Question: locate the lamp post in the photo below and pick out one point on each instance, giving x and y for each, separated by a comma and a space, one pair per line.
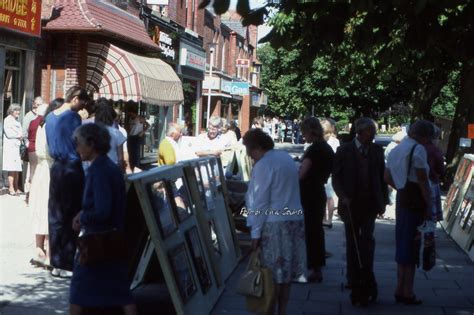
211, 64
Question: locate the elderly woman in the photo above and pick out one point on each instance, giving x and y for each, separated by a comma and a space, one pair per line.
100, 284
12, 136
314, 172
212, 142
275, 215
407, 169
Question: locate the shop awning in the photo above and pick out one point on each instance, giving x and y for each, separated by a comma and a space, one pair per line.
116, 74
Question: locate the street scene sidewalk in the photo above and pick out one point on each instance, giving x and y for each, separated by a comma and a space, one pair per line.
447, 289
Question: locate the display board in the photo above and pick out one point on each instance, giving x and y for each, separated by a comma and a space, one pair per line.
458, 209
216, 217
176, 238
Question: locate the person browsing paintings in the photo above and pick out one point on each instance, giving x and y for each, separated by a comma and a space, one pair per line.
102, 284
399, 174
168, 150
275, 215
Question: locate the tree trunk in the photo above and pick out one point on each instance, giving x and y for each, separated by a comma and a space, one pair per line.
463, 116
424, 100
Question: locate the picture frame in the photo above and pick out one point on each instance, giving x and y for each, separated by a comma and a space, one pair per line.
197, 254
180, 264
162, 207
214, 238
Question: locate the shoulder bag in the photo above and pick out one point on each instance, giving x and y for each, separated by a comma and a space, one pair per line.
410, 196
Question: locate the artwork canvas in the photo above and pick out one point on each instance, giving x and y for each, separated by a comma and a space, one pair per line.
162, 209
182, 272
198, 259
215, 240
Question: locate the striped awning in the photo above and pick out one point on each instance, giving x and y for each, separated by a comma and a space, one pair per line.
116, 74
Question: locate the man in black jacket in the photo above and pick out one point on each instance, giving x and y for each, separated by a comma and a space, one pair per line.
358, 182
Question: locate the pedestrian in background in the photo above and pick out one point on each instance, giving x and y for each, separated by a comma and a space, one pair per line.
137, 126
316, 166
408, 163
358, 179
275, 215
330, 135
27, 120
12, 137
67, 180
102, 284
39, 191
106, 115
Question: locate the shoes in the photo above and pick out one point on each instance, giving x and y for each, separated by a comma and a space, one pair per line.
12, 193
327, 255
61, 273
328, 225
315, 276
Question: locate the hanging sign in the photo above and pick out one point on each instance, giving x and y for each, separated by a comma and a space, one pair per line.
470, 131
22, 16
243, 63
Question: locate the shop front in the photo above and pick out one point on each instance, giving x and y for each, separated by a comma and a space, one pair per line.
192, 66
20, 28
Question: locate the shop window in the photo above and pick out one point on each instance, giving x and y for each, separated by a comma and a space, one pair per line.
11, 84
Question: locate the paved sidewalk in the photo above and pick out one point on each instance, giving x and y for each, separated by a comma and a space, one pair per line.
445, 290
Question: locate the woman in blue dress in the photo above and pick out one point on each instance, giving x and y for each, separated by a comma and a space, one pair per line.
67, 180
101, 284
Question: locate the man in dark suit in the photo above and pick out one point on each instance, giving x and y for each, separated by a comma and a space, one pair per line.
358, 181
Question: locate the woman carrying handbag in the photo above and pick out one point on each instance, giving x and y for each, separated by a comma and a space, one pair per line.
275, 215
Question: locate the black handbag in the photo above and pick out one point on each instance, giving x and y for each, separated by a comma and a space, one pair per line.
101, 247
410, 196
23, 151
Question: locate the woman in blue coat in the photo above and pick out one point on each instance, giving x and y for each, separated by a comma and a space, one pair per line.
102, 284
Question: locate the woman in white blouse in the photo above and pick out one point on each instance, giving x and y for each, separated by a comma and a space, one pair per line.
275, 214
12, 135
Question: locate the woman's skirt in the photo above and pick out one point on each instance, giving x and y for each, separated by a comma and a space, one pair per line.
407, 250
100, 285
65, 201
284, 250
39, 196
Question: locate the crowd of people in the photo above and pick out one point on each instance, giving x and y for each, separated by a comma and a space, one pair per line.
76, 188
361, 175
78, 152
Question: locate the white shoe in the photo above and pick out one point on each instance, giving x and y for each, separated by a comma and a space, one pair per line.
65, 274
55, 272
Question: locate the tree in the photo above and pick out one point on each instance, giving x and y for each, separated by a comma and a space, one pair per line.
415, 45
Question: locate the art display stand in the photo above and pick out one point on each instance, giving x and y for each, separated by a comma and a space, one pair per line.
458, 209
183, 228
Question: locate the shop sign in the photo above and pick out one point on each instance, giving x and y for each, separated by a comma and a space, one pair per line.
211, 83
226, 86
240, 88
21, 15
192, 57
255, 99
243, 63
166, 45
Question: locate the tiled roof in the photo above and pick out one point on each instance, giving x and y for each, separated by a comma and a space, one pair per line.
100, 17
236, 26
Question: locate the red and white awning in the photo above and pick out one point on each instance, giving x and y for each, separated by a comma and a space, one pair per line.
116, 74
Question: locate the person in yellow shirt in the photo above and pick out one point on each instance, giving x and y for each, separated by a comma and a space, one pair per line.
168, 150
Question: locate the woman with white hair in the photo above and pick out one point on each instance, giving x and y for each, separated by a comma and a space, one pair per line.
12, 136
407, 171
